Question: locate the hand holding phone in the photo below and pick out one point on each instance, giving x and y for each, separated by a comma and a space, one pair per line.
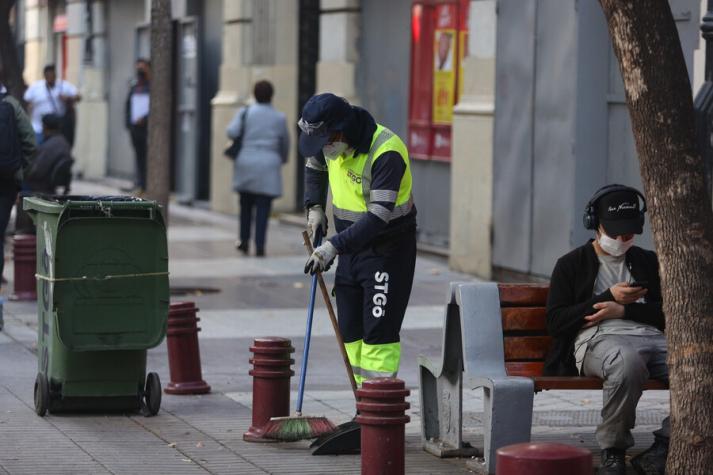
628, 292
639, 283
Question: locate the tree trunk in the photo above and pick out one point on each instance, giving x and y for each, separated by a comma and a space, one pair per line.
10, 74
160, 136
658, 94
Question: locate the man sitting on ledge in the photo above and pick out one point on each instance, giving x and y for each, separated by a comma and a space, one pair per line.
605, 316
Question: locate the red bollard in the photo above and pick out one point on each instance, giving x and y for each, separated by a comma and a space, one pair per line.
24, 248
184, 357
543, 459
271, 383
382, 417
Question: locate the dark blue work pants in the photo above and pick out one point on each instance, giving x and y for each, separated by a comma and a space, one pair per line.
261, 206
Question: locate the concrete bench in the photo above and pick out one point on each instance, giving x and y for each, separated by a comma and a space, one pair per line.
494, 337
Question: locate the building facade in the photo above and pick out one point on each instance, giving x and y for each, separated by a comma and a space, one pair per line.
575, 135
94, 44
513, 110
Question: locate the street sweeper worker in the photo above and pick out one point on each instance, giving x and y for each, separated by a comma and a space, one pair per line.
367, 168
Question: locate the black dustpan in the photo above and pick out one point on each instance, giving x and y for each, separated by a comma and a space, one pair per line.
346, 440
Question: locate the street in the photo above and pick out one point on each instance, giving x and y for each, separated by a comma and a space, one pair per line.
242, 298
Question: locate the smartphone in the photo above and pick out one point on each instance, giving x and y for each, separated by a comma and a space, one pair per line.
639, 283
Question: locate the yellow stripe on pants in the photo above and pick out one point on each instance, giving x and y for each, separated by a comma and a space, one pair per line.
354, 353
380, 361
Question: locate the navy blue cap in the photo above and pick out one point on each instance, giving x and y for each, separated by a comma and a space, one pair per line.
322, 115
620, 214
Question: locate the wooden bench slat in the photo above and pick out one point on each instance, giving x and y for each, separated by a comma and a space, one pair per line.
524, 318
526, 347
523, 295
530, 369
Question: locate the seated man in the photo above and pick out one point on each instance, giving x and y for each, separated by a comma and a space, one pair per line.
53, 154
605, 316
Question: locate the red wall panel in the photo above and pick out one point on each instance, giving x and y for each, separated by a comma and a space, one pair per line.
438, 40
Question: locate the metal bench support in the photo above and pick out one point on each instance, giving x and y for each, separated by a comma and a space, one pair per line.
473, 356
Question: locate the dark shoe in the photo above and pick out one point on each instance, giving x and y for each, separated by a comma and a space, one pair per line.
242, 247
652, 461
613, 462
260, 253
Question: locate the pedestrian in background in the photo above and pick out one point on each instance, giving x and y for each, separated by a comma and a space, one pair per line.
52, 165
137, 119
257, 177
49, 96
17, 149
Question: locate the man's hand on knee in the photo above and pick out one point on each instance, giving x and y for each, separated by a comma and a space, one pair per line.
606, 311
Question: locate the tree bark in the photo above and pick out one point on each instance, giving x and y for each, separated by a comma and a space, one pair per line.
658, 94
160, 133
10, 74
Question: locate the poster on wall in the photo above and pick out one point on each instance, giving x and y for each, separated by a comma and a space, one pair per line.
444, 63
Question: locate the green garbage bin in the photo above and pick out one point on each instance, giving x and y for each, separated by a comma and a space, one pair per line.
103, 299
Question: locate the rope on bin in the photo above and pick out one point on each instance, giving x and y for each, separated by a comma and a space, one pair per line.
106, 277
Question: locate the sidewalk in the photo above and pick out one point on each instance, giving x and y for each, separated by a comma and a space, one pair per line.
255, 297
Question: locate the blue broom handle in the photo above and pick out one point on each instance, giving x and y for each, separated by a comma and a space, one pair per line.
308, 331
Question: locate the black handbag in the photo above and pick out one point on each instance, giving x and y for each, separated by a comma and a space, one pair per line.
233, 149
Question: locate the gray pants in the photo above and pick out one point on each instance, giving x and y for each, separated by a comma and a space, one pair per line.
625, 362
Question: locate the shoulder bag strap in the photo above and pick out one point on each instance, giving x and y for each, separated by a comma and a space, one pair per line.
243, 119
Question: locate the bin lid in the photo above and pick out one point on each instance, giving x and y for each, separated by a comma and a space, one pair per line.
56, 204
110, 281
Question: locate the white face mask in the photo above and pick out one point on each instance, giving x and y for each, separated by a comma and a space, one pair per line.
334, 149
614, 247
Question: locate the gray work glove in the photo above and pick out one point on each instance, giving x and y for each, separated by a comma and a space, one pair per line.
321, 259
316, 218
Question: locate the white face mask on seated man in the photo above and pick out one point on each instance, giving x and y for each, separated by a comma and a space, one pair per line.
619, 217
614, 247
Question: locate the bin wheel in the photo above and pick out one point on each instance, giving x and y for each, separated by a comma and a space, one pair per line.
42, 395
152, 394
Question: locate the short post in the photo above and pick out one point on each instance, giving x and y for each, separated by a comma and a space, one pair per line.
382, 415
272, 370
184, 357
24, 250
543, 459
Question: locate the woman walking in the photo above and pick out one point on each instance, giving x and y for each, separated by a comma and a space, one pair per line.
257, 177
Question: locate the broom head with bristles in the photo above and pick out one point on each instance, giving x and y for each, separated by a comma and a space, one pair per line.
290, 429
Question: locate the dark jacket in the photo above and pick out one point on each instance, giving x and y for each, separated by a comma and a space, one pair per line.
26, 135
387, 172
50, 154
570, 300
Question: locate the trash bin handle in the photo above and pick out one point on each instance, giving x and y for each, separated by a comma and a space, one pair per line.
108, 211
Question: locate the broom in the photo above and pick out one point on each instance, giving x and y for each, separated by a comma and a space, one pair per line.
333, 320
298, 427
346, 437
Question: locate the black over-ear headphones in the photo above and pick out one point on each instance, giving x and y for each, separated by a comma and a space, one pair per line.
590, 218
